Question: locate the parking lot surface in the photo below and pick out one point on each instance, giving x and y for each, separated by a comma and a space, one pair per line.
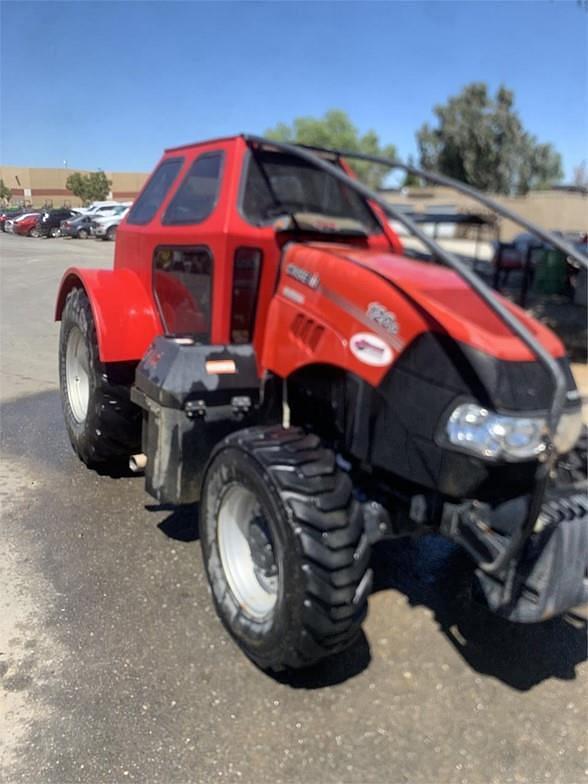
114, 667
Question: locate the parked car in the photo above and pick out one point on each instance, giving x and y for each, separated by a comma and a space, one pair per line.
102, 208
11, 223
51, 221
26, 225
9, 215
79, 227
105, 228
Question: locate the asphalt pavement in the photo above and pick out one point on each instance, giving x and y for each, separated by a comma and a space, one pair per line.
114, 667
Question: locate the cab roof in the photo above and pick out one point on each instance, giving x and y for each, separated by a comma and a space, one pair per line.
322, 151
203, 143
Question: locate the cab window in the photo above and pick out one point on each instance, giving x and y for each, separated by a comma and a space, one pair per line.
280, 184
182, 286
196, 197
155, 192
246, 272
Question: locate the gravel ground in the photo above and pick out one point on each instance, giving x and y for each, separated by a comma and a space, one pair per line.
114, 667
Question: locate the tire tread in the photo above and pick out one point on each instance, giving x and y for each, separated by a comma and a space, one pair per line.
328, 525
116, 420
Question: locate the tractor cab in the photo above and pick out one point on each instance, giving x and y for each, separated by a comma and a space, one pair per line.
207, 232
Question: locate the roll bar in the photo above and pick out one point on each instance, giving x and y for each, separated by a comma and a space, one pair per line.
467, 190
310, 155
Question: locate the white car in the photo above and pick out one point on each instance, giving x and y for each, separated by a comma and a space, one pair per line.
99, 209
104, 227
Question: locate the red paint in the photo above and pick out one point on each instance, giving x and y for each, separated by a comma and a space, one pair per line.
125, 318
288, 333
25, 226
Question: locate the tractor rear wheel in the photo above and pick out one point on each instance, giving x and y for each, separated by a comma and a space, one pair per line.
102, 423
284, 547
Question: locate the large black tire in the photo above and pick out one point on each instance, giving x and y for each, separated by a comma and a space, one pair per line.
321, 551
111, 426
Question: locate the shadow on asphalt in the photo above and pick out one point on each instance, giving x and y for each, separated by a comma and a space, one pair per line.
329, 672
182, 522
430, 572
434, 573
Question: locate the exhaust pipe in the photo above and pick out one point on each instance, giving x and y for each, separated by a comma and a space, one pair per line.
137, 463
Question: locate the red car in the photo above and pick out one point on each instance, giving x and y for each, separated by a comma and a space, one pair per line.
27, 224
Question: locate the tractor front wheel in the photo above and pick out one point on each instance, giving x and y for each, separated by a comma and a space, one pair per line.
284, 547
102, 423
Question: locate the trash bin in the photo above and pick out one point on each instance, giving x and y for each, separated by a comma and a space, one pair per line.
550, 272
581, 290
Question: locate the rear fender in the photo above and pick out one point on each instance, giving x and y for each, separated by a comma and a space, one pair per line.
124, 313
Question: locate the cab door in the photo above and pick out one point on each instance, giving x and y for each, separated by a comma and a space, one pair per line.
180, 247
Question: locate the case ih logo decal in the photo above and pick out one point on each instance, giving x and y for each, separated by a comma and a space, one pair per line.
310, 279
384, 317
371, 349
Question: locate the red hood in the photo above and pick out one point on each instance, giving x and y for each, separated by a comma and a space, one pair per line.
453, 305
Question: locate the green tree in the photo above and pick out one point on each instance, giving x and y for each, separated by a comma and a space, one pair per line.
481, 141
5, 192
94, 186
335, 129
410, 179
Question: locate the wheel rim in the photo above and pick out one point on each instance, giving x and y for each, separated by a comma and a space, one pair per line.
82, 234
55, 232
246, 551
77, 374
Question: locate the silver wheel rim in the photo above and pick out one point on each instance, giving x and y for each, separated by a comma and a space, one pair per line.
246, 552
77, 374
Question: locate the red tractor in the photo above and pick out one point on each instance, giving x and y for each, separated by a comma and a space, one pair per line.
264, 346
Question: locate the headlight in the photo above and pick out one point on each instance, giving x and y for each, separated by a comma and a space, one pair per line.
495, 436
568, 431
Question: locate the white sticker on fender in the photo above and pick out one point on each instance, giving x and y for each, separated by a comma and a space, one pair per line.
371, 349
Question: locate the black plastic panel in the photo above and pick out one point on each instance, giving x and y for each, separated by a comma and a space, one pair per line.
396, 426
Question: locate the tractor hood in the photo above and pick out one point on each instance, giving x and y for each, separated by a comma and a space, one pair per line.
448, 302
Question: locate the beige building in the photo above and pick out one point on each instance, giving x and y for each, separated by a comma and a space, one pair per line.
564, 210
47, 186
552, 209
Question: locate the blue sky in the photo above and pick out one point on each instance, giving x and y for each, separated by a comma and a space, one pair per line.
110, 84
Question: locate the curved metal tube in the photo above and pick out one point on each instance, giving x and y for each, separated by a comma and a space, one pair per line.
467, 190
476, 283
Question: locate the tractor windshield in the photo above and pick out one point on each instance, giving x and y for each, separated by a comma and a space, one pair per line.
278, 184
